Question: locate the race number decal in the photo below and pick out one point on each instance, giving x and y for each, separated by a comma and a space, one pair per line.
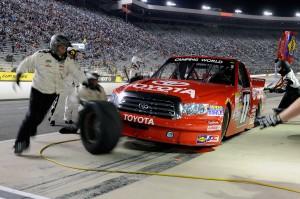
246, 104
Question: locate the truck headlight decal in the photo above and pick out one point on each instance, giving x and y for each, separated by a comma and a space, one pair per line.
194, 109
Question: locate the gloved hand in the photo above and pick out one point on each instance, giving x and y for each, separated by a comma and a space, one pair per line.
280, 90
276, 90
271, 90
18, 77
267, 121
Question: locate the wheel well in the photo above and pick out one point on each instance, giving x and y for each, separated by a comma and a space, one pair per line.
229, 108
228, 105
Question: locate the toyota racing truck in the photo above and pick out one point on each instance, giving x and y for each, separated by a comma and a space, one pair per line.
194, 101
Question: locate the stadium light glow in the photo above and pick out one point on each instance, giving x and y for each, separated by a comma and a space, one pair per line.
145, 1
267, 13
205, 7
170, 3
238, 11
297, 14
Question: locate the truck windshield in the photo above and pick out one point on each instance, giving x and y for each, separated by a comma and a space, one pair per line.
220, 72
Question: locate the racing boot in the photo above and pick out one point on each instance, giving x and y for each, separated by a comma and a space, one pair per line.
69, 122
52, 123
21, 146
69, 130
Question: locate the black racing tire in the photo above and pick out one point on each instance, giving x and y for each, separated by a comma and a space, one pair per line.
100, 127
225, 123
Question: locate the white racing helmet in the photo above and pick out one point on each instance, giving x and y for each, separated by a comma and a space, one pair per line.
92, 75
136, 62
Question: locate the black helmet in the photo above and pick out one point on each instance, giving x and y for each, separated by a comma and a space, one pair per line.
283, 67
58, 40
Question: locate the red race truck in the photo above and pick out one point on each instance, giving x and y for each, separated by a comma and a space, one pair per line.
191, 100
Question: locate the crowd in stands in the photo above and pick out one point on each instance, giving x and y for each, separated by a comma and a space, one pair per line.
27, 25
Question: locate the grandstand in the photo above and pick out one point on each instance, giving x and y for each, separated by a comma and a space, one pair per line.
26, 26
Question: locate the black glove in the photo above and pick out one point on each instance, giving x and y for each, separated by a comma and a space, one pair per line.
283, 66
267, 121
279, 90
18, 77
276, 90
271, 90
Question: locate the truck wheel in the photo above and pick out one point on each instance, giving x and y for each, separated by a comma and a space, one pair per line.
100, 127
225, 123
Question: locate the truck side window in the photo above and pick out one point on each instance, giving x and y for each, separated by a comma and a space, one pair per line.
243, 77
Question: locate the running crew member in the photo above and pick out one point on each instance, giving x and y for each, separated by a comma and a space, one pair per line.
51, 67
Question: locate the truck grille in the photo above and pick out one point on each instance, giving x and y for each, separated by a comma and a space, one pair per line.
150, 104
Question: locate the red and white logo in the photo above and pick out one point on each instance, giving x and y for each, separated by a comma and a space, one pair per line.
170, 83
166, 89
214, 128
138, 119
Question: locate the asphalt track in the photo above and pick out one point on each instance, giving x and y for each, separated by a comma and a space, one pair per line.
11, 115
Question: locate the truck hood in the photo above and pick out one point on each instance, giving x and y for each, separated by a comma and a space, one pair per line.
186, 90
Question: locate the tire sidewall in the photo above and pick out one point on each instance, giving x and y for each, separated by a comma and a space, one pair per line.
225, 123
110, 127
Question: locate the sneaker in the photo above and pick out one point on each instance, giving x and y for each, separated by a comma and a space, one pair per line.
52, 123
69, 122
69, 130
20, 147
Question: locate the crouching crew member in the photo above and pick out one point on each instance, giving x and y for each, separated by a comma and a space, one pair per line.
91, 90
292, 85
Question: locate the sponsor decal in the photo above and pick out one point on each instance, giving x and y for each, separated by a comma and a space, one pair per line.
215, 111
11, 76
213, 122
106, 79
190, 92
138, 119
212, 61
186, 59
214, 128
201, 139
170, 83
237, 97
